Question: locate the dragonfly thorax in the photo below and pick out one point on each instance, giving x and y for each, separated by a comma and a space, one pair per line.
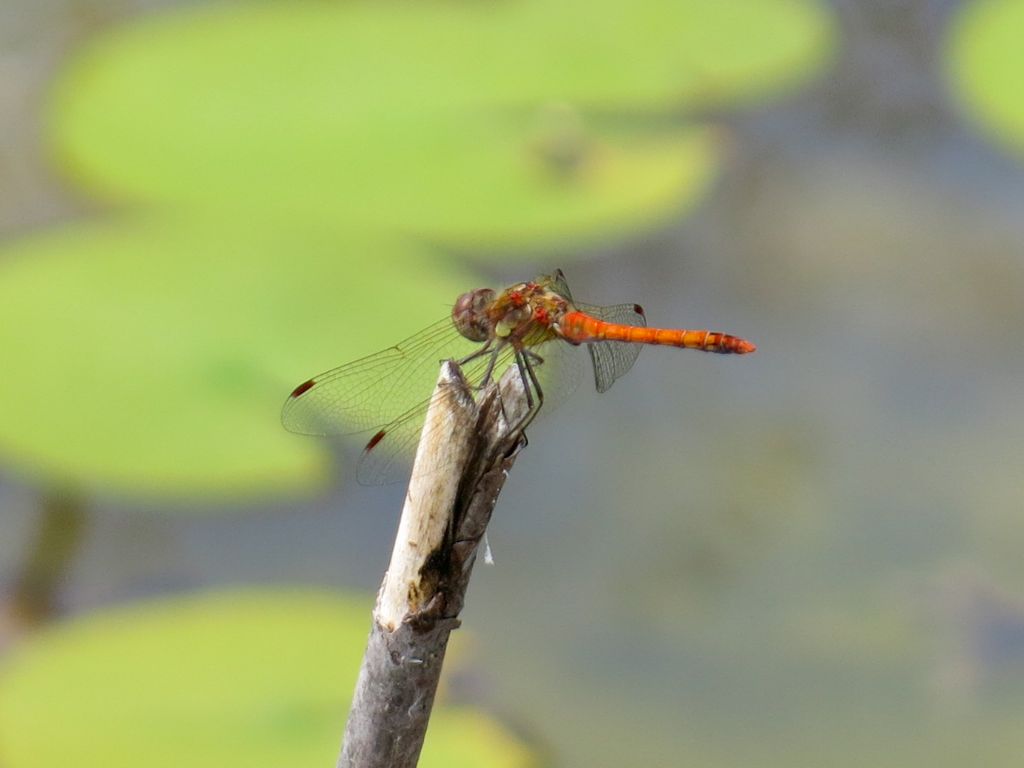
522, 314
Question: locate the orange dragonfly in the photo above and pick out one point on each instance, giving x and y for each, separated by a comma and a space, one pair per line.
534, 326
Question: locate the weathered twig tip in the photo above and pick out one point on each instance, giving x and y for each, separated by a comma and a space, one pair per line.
466, 449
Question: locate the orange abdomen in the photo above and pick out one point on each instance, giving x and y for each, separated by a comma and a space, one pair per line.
580, 328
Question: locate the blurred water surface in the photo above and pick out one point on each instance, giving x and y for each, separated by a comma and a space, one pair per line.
808, 556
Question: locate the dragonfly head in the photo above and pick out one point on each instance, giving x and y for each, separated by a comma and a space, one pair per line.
469, 315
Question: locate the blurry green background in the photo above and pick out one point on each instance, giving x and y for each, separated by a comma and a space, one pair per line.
807, 556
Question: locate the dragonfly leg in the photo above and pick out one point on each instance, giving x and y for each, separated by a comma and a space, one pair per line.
533, 357
525, 360
486, 379
489, 371
478, 353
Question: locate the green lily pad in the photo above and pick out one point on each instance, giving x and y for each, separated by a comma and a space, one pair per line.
153, 356
460, 737
241, 678
649, 55
987, 59
421, 116
346, 60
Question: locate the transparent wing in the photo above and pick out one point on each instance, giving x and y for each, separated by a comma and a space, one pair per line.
374, 390
612, 359
559, 284
389, 453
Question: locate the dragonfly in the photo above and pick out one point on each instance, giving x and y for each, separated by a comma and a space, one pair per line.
535, 326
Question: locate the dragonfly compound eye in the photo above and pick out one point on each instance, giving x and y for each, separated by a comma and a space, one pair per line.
469, 315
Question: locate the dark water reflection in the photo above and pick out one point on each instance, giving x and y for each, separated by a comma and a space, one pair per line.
807, 557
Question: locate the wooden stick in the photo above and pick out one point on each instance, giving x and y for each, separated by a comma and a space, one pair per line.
466, 451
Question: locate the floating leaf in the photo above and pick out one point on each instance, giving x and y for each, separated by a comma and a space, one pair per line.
153, 356
421, 116
240, 678
651, 55
987, 61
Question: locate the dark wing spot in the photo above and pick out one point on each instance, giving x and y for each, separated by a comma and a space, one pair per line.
302, 388
639, 310
374, 440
